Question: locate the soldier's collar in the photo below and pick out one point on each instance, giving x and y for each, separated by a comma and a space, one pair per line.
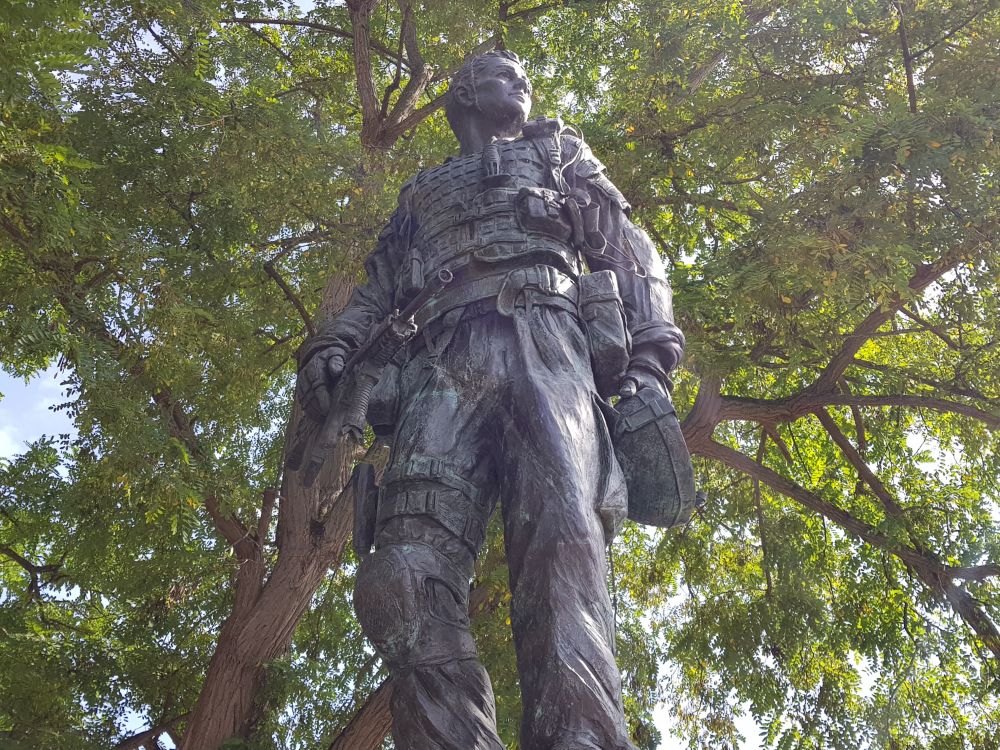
540, 127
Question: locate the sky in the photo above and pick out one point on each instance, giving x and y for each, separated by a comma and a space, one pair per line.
26, 411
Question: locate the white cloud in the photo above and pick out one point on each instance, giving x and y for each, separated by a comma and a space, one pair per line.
26, 413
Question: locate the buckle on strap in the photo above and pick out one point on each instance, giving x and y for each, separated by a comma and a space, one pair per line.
510, 290
434, 470
540, 277
654, 407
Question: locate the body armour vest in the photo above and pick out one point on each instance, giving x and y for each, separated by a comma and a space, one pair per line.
495, 210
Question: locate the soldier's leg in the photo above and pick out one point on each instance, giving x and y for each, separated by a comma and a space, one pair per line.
412, 592
412, 601
558, 474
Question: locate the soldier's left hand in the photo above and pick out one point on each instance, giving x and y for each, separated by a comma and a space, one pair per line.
638, 378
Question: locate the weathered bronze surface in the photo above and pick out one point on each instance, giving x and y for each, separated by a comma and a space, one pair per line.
546, 301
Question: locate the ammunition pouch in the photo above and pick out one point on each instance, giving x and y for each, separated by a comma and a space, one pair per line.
653, 456
603, 316
428, 487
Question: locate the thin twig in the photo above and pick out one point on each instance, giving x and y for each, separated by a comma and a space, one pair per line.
290, 296
764, 557
911, 87
948, 35
334, 30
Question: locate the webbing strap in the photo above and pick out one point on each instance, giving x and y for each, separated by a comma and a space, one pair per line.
545, 279
431, 469
653, 409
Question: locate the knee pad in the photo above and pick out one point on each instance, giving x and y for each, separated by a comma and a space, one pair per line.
412, 604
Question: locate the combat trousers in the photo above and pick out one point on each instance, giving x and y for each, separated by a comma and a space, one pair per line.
507, 411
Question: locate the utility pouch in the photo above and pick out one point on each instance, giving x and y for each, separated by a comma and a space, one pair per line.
603, 316
541, 210
365, 508
383, 408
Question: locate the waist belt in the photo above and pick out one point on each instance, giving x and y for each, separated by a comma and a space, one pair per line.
551, 286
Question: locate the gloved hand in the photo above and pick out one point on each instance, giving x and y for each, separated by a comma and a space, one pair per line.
656, 350
639, 377
316, 381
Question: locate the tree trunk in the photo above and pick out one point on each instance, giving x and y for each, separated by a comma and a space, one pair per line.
370, 725
228, 705
265, 612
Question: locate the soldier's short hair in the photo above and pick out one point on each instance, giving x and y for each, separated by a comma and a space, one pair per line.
466, 78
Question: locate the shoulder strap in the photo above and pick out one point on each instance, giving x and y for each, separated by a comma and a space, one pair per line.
544, 132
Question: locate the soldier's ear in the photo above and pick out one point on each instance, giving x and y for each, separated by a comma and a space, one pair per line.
462, 95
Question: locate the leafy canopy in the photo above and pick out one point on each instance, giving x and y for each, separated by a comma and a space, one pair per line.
184, 185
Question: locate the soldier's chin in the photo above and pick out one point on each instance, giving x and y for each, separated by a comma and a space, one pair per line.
510, 126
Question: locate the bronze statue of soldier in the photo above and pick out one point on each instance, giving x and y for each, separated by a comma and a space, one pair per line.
495, 386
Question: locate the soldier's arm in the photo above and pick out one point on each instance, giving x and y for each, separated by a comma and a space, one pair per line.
657, 343
321, 358
370, 302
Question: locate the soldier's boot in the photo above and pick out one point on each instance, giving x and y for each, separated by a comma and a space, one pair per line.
411, 599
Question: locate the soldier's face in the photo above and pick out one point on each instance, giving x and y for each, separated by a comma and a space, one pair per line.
503, 93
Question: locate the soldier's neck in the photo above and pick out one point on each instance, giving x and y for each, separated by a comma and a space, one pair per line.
475, 141
478, 131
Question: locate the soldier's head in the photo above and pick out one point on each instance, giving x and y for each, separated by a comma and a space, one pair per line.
490, 94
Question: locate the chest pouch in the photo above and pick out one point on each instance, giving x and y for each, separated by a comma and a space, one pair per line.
542, 210
603, 316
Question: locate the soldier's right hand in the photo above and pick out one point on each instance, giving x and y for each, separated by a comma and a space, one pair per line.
316, 381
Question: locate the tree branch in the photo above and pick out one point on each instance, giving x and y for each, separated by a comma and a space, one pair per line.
290, 296
334, 30
420, 76
15, 233
772, 432
369, 726
33, 571
785, 486
739, 408
136, 741
289, 243
925, 275
916, 402
163, 43
722, 204
28, 566
954, 390
270, 496
892, 508
231, 529
277, 48
758, 506
371, 121
975, 572
936, 330
911, 87
701, 74
931, 573
859, 421
948, 35
414, 118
